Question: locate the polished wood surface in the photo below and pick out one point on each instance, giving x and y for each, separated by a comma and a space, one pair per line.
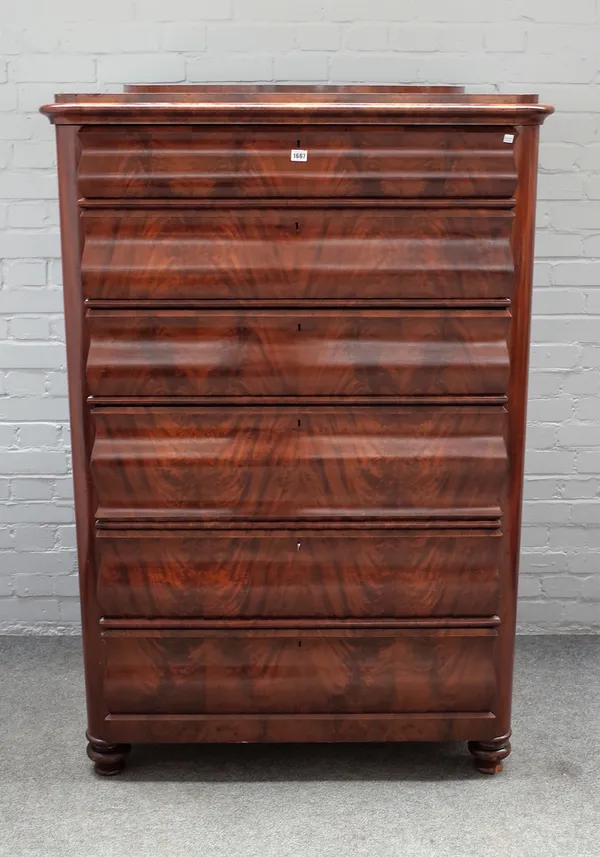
316, 672
246, 162
297, 400
296, 353
298, 255
297, 574
299, 463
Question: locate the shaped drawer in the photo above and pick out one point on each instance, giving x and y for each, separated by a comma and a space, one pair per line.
299, 672
298, 574
244, 162
297, 353
292, 463
297, 255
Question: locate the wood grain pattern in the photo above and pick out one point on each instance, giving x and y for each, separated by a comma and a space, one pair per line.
296, 353
316, 672
298, 409
301, 255
256, 162
299, 463
296, 574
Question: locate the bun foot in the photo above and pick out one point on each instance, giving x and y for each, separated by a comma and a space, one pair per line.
489, 756
108, 759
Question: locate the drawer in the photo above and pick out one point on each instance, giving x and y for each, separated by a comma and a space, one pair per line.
297, 353
291, 463
298, 574
306, 672
256, 162
298, 254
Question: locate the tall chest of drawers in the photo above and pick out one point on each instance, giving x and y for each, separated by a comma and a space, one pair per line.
297, 337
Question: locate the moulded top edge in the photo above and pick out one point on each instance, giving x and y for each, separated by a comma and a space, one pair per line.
386, 109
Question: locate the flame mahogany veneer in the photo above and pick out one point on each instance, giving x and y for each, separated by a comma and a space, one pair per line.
297, 397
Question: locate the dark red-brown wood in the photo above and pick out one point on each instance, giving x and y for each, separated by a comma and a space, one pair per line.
297, 400
297, 353
352, 161
294, 574
299, 463
298, 255
312, 672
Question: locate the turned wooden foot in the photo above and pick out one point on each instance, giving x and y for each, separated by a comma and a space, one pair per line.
108, 759
490, 755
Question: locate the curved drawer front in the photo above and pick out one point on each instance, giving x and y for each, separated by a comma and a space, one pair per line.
229, 163
299, 672
296, 353
299, 463
297, 574
297, 254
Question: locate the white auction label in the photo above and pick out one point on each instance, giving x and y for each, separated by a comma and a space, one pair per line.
509, 138
299, 155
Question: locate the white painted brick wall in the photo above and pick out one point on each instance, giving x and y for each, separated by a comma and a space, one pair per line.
546, 46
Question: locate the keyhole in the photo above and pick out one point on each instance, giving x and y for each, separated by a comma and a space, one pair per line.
298, 422
297, 227
297, 144
298, 546
299, 643
299, 327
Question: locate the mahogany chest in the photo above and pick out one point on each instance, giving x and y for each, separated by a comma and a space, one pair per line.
297, 334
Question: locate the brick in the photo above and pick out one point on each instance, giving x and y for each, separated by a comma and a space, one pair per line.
47, 563
577, 489
579, 434
69, 610
459, 39
543, 563
303, 65
29, 273
552, 244
564, 355
541, 436
181, 10
560, 186
275, 10
26, 383
581, 273
367, 37
549, 461
186, 37
586, 513
32, 489
590, 359
31, 155
8, 436
28, 537
38, 435
41, 513
67, 537
27, 215
561, 586
590, 588
15, 127
127, 37
540, 512
571, 216
413, 38
25, 355
141, 69
238, 68
569, 537
541, 489
30, 328
505, 38
543, 384
19, 462
8, 97
4, 493
539, 612
32, 410
377, 68
15, 245
66, 586
587, 562
558, 301
60, 69
318, 37
244, 39
529, 587
579, 614
550, 410
558, 156
585, 383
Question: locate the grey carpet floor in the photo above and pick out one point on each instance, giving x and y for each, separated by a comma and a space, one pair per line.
306, 801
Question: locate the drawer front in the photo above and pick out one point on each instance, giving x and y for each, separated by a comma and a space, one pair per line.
245, 162
287, 574
299, 463
298, 254
296, 353
303, 672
